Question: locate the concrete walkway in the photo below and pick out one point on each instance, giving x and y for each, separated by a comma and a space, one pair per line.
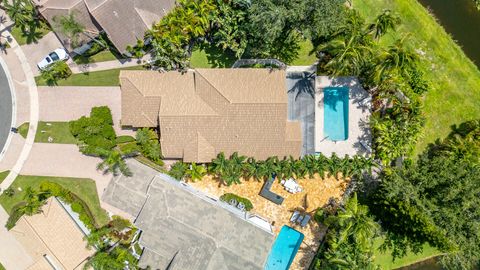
33, 119
120, 63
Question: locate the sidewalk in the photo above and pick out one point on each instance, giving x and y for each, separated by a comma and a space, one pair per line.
114, 64
24, 79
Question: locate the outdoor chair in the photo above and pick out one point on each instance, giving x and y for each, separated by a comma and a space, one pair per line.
233, 202
241, 206
305, 221
294, 216
366, 102
299, 219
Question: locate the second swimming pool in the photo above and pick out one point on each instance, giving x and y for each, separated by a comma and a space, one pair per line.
335, 114
284, 249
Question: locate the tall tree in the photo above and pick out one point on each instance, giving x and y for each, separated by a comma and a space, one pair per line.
70, 27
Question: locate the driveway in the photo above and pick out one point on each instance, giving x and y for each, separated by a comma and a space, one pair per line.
37, 51
71, 102
301, 103
64, 160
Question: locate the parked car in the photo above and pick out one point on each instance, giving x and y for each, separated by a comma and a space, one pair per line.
58, 55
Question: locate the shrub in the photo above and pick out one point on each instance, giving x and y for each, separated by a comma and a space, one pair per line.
103, 113
178, 170
129, 148
9, 192
15, 215
228, 196
56, 71
125, 139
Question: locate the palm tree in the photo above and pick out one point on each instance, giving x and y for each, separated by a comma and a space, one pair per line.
70, 27
310, 163
178, 170
113, 162
196, 172
384, 22
349, 55
218, 165
21, 12
395, 60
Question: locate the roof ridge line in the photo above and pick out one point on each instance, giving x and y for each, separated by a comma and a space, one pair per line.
210, 83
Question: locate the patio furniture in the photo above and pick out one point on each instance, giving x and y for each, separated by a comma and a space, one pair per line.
299, 219
305, 221
269, 195
292, 186
366, 146
233, 202
241, 206
294, 216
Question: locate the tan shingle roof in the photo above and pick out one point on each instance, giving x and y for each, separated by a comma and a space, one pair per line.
55, 234
202, 113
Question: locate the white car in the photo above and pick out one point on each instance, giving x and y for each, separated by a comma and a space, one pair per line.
58, 55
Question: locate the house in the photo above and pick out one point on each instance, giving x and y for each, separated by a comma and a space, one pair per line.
181, 229
52, 238
124, 21
203, 112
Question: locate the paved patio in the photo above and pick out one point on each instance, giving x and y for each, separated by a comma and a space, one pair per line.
358, 119
182, 230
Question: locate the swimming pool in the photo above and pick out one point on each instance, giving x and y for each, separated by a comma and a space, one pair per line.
335, 114
284, 249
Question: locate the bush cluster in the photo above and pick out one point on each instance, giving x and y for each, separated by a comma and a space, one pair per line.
95, 131
125, 139
56, 71
229, 196
15, 215
147, 141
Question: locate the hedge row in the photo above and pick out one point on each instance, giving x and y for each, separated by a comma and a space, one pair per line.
15, 215
229, 196
77, 204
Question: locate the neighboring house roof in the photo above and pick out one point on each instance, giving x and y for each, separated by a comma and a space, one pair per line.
124, 21
57, 8
52, 235
207, 111
184, 231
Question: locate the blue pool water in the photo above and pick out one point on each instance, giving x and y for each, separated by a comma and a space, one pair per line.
335, 114
284, 249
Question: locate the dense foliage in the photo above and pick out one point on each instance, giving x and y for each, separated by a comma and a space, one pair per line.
348, 243
55, 72
113, 244
97, 138
230, 171
230, 196
147, 141
391, 74
33, 201
436, 200
258, 28
25, 16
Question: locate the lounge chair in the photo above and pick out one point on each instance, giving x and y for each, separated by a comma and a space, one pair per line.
299, 219
294, 216
241, 206
305, 221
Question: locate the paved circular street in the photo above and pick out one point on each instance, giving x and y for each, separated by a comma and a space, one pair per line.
5, 108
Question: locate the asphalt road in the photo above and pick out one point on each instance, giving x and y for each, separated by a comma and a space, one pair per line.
5, 108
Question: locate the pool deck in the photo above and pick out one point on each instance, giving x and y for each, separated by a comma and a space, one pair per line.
358, 118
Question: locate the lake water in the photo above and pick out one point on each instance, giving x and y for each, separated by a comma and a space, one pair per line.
461, 19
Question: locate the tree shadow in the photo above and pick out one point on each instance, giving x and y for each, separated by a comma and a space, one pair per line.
305, 83
217, 57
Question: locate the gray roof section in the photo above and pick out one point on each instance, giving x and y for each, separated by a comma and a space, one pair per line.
183, 230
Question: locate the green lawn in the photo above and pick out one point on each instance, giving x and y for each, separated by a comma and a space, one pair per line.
304, 57
96, 78
455, 94
22, 39
211, 57
23, 129
385, 259
3, 175
102, 56
59, 131
83, 188
1, 267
